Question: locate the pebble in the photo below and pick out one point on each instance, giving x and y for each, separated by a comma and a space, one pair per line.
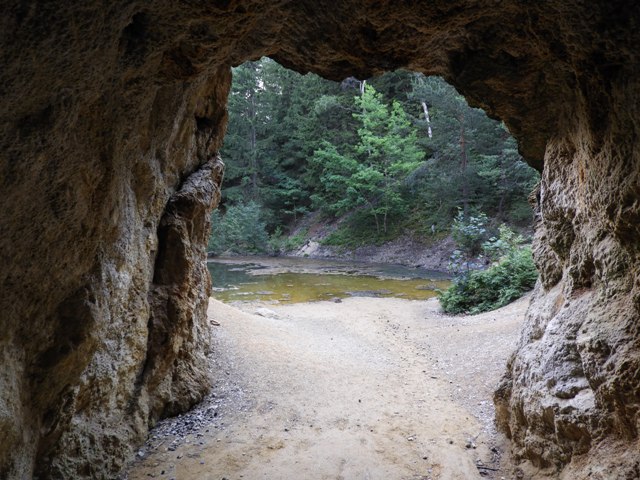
265, 312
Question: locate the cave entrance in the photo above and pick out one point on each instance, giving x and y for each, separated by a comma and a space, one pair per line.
318, 370
113, 120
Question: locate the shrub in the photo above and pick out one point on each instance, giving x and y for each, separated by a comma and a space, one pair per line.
469, 232
506, 242
358, 230
503, 282
484, 290
280, 243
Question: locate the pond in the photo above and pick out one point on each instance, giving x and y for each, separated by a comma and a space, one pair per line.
293, 280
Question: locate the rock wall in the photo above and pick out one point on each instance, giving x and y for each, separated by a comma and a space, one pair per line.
110, 121
109, 170
571, 394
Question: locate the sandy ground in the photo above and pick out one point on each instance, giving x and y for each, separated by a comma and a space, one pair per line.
369, 388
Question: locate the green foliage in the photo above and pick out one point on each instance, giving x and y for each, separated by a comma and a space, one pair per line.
469, 232
280, 243
343, 237
506, 242
298, 143
274, 127
356, 232
474, 163
369, 176
505, 281
240, 230
484, 290
343, 181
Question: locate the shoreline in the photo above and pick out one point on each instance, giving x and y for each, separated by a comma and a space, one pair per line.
299, 264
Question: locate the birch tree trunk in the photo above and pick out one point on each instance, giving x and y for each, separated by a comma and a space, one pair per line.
426, 117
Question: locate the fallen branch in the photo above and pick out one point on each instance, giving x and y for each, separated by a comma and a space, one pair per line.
487, 468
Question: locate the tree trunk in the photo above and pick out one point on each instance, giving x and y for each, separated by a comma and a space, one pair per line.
253, 146
426, 117
503, 193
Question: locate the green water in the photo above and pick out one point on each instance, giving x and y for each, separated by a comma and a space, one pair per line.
298, 280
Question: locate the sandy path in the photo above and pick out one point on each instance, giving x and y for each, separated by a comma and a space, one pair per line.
363, 389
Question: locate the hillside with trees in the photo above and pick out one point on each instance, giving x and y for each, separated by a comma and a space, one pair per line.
394, 155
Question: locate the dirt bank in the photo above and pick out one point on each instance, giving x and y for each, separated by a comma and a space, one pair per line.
362, 389
404, 250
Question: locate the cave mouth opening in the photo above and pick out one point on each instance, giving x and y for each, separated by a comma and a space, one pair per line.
101, 109
371, 159
302, 361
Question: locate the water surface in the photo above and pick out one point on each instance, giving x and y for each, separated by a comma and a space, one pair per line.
292, 280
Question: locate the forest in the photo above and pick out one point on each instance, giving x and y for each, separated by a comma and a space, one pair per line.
399, 154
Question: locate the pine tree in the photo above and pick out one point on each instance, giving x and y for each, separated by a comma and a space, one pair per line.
371, 175
388, 147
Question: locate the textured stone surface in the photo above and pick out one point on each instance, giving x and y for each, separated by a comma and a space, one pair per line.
111, 115
572, 390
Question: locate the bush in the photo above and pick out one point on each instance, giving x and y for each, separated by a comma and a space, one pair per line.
240, 230
500, 284
280, 243
506, 242
469, 232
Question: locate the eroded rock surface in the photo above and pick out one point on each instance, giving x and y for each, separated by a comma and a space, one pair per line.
111, 118
572, 390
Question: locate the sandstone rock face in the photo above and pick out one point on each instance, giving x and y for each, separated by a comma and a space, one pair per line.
111, 118
571, 394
